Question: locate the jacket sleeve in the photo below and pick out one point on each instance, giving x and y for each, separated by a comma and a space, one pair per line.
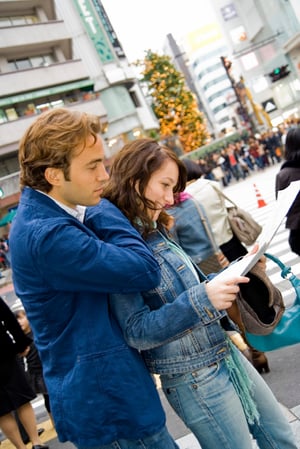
111, 226
105, 254
145, 329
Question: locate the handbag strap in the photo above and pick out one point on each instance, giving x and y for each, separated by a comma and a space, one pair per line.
220, 193
285, 270
206, 226
286, 273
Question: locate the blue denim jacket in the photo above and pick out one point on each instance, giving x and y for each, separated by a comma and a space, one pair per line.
100, 389
175, 325
189, 231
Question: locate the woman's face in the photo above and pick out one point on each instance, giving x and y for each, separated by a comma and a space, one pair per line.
160, 187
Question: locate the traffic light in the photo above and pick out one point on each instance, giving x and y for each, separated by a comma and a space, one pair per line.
279, 72
226, 63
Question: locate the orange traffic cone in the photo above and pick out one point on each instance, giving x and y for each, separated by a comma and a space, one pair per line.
260, 201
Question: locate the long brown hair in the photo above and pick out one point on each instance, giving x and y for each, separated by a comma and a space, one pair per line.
130, 173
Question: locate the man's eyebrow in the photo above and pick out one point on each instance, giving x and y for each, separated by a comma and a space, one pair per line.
95, 161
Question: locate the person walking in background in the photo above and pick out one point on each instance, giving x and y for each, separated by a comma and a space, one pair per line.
102, 395
207, 193
193, 169
33, 365
211, 386
192, 230
290, 171
235, 167
15, 392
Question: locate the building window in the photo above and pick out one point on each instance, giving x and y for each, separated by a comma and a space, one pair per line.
134, 98
28, 63
3, 118
209, 69
39, 105
215, 81
22, 64
11, 114
5, 22
219, 108
224, 120
37, 61
17, 20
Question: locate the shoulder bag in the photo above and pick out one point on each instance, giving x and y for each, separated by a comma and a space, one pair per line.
241, 222
287, 331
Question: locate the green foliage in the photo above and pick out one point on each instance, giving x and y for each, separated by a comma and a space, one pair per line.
173, 104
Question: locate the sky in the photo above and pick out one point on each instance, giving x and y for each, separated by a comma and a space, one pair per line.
144, 24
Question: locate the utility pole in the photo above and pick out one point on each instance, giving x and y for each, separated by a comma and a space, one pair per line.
238, 87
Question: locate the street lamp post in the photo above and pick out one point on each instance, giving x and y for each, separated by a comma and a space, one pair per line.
238, 88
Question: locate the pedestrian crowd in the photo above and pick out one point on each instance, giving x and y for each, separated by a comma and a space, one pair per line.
239, 159
114, 291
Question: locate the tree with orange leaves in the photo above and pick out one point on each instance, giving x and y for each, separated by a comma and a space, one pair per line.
173, 103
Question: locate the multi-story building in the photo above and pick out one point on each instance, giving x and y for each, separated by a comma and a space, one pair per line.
198, 56
261, 41
264, 41
204, 47
62, 53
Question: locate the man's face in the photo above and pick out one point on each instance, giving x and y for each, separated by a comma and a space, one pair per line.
87, 177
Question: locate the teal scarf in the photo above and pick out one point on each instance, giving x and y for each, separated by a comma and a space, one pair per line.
242, 384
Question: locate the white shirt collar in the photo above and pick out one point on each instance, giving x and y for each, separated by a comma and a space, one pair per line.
78, 212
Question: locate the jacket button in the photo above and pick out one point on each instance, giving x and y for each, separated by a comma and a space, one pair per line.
195, 386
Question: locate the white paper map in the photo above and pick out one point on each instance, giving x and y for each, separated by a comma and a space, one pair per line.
284, 201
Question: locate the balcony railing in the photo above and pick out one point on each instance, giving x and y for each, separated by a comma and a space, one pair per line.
35, 78
12, 131
38, 35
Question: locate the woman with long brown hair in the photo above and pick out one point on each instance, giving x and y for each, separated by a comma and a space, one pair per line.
209, 383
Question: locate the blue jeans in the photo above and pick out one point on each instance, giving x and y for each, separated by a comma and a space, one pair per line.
209, 405
161, 440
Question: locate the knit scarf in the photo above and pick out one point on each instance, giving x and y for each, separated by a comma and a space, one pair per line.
241, 382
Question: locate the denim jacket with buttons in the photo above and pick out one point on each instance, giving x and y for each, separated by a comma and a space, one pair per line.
189, 231
174, 325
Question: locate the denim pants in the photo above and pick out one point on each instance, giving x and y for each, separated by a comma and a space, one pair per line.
209, 405
160, 440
